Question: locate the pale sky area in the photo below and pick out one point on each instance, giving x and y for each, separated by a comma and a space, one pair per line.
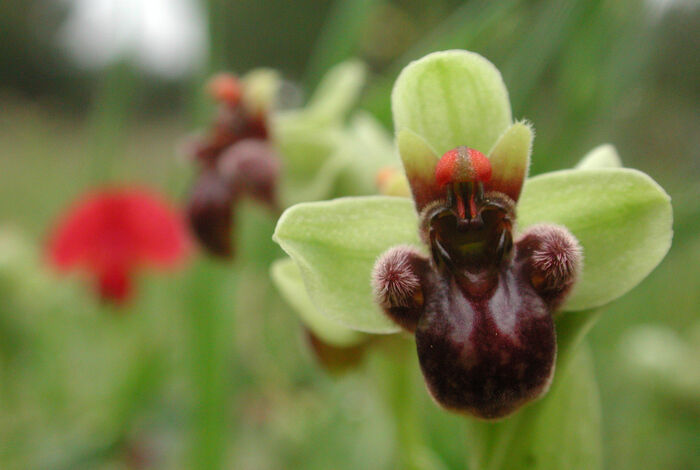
164, 37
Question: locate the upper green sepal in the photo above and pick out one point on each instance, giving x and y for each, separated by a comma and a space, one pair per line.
324, 153
621, 217
336, 243
452, 98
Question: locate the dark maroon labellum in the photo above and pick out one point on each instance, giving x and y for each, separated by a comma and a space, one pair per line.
209, 213
481, 305
486, 355
252, 168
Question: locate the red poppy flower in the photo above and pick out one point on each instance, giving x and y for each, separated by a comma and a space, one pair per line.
112, 232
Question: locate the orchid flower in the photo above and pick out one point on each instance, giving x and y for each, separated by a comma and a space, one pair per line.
482, 262
281, 156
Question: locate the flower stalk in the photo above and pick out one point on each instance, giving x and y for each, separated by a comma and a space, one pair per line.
211, 324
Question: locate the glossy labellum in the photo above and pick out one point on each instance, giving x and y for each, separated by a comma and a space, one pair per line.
481, 305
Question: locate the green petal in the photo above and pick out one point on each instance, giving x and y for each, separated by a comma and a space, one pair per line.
368, 148
310, 169
510, 160
338, 91
302, 143
621, 217
419, 161
603, 156
260, 90
316, 185
287, 277
335, 244
452, 98
307, 137
375, 146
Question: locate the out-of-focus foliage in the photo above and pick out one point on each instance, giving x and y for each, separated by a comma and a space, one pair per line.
83, 387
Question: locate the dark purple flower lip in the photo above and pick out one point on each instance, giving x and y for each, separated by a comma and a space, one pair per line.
481, 304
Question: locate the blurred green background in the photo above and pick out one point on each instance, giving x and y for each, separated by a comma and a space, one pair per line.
99, 91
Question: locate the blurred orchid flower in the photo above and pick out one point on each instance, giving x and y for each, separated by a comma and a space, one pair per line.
254, 149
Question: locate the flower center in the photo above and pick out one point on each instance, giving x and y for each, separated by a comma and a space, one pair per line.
470, 232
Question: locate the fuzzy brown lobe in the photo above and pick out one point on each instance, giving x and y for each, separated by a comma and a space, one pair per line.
252, 168
396, 281
553, 261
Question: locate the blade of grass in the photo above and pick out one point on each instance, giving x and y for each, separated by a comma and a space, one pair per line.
219, 30
211, 324
605, 47
199, 107
458, 31
531, 57
339, 37
109, 118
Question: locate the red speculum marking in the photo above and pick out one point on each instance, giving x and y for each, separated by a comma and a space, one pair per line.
462, 165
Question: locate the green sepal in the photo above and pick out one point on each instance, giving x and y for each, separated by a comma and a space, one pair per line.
621, 217
338, 91
452, 98
287, 277
336, 243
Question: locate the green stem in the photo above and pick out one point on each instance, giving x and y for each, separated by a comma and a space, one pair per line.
211, 328
509, 443
396, 374
109, 119
211, 320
